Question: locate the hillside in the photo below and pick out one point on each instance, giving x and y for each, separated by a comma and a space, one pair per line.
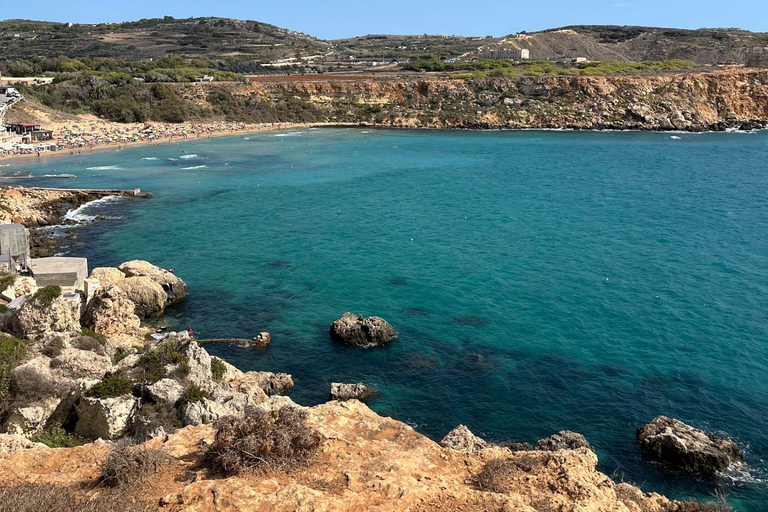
155, 38
637, 44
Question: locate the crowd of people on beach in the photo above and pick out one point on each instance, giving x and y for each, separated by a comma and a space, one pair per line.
89, 135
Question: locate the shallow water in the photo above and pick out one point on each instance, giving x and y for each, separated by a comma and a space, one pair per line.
539, 281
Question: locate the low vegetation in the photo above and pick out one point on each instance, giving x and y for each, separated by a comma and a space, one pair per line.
57, 437
264, 441
218, 369
130, 465
6, 280
496, 475
194, 394
45, 296
155, 361
55, 498
93, 334
111, 386
12, 351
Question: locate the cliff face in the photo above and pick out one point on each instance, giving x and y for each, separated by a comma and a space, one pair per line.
694, 101
367, 463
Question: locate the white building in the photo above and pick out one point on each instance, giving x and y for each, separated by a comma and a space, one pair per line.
509, 53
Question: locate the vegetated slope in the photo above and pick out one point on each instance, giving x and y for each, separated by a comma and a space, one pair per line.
384, 47
154, 38
627, 43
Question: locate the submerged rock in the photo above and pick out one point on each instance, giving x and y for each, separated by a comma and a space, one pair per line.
463, 440
174, 287
563, 440
685, 448
362, 332
357, 391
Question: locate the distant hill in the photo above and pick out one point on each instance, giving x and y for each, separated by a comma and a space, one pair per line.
154, 38
628, 43
223, 37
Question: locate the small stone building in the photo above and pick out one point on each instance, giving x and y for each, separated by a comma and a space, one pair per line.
14, 248
68, 273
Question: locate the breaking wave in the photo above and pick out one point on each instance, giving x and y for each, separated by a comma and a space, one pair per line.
104, 168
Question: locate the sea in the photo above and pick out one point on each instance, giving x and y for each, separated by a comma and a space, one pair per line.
538, 280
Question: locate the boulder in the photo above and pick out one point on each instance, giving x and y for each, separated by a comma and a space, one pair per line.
146, 430
165, 391
112, 314
203, 412
72, 371
362, 332
105, 418
198, 367
684, 448
271, 383
263, 339
10, 443
357, 391
107, 276
31, 419
231, 372
463, 440
39, 322
563, 440
174, 287
23, 285
81, 365
148, 296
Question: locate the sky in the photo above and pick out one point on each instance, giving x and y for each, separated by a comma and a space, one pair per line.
330, 19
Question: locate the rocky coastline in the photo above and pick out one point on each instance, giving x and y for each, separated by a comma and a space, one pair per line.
85, 382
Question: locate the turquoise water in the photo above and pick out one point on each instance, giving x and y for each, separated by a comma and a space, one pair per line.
539, 280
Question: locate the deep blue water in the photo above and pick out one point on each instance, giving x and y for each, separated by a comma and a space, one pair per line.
539, 280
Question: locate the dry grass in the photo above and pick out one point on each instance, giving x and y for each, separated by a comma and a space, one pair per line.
496, 475
130, 465
264, 441
54, 498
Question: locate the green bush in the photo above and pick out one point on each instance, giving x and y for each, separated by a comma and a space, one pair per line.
46, 296
93, 334
120, 354
12, 351
57, 437
6, 280
194, 394
218, 369
111, 386
156, 360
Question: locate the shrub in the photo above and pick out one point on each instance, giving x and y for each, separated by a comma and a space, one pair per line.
120, 354
6, 280
218, 369
57, 437
93, 334
55, 498
155, 361
111, 386
194, 394
128, 465
496, 475
12, 351
263, 441
45, 296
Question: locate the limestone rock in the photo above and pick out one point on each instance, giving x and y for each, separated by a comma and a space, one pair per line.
23, 285
72, 371
38, 322
105, 418
165, 391
174, 287
10, 443
112, 314
148, 296
108, 276
463, 440
81, 364
271, 383
263, 339
203, 412
563, 440
362, 332
685, 448
199, 365
31, 419
250, 387
357, 391
231, 372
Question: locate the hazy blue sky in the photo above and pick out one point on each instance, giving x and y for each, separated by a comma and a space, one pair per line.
343, 18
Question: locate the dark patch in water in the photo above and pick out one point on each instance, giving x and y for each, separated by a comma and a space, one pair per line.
309, 287
415, 312
398, 281
471, 320
418, 362
280, 264
478, 363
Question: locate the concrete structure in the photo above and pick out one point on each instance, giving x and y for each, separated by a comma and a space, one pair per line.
14, 248
758, 58
69, 273
510, 53
22, 128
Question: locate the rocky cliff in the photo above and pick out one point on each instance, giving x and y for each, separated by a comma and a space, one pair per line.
716, 100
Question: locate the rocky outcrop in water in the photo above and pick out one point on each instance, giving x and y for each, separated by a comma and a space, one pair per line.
356, 391
684, 448
174, 287
563, 440
362, 332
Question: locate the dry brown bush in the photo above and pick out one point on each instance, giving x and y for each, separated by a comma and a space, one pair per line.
128, 465
264, 441
496, 475
54, 498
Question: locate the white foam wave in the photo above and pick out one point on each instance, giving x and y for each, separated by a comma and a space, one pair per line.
104, 168
675, 137
78, 214
194, 167
188, 156
150, 158
289, 134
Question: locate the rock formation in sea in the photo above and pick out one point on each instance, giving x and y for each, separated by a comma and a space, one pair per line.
350, 391
684, 448
362, 332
